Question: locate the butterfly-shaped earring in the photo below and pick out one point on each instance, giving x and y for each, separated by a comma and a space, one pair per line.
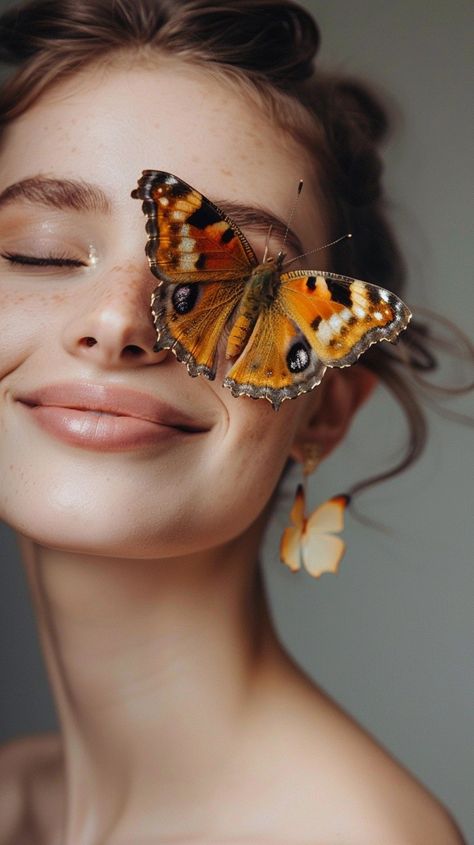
282, 329
313, 541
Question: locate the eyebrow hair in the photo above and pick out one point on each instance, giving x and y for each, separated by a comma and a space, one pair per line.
78, 195
259, 220
72, 194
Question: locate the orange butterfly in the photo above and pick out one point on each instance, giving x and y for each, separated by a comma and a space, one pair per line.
285, 327
312, 540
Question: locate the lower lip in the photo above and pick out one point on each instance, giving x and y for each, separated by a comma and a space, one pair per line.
101, 431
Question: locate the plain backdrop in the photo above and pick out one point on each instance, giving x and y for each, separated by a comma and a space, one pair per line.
391, 636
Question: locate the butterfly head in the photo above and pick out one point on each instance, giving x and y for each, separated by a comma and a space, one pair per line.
277, 260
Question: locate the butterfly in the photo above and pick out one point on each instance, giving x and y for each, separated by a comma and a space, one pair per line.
281, 329
312, 541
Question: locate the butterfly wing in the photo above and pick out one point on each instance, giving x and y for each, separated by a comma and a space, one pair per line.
277, 363
321, 550
322, 553
340, 316
202, 261
291, 537
329, 517
191, 319
189, 238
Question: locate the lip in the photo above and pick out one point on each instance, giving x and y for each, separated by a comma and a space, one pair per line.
106, 417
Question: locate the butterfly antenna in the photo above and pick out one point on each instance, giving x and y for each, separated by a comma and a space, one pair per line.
292, 212
267, 243
318, 249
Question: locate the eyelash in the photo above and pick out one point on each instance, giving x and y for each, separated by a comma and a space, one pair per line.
46, 261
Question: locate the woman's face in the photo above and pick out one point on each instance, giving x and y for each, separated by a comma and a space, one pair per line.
182, 491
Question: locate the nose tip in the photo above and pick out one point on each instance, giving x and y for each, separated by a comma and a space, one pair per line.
116, 324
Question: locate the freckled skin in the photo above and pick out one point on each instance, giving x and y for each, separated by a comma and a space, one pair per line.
148, 559
46, 319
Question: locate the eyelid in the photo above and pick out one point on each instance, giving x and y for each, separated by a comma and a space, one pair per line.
22, 259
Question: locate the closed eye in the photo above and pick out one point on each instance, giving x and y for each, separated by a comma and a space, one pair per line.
43, 261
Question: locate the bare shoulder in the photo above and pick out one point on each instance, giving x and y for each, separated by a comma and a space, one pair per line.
23, 761
384, 802
330, 775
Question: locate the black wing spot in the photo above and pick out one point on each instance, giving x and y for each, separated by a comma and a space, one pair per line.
203, 217
316, 322
298, 358
184, 298
373, 295
339, 293
200, 261
227, 236
311, 282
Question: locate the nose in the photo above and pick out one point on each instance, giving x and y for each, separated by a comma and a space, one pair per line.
115, 326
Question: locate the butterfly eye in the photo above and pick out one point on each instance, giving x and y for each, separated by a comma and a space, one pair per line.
298, 357
184, 298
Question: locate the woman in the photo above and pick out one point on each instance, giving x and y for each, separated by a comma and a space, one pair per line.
183, 719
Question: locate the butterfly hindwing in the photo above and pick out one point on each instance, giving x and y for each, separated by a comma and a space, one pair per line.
322, 553
190, 319
277, 363
340, 316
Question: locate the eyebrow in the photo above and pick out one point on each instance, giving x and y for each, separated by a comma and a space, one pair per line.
259, 220
71, 194
78, 195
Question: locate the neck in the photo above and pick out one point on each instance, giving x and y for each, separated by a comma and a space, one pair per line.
153, 665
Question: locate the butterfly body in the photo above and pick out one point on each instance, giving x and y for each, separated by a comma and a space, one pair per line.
259, 293
283, 328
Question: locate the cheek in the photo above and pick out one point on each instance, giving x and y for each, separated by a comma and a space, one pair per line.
27, 320
254, 450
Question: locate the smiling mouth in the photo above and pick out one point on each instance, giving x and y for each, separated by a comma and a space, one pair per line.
108, 417
100, 412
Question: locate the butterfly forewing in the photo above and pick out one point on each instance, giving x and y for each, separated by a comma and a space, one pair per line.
329, 517
190, 238
340, 316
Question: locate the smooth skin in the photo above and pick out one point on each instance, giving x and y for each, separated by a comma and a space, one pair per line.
183, 719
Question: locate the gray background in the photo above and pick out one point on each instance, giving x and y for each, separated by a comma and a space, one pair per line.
391, 637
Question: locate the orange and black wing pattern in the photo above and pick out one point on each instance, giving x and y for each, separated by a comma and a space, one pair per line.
202, 261
341, 316
285, 328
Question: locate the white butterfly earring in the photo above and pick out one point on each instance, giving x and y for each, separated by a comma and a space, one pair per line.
312, 541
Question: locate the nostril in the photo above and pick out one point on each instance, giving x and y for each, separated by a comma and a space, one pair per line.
133, 351
89, 341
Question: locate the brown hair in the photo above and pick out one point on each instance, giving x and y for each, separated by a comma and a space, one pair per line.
270, 45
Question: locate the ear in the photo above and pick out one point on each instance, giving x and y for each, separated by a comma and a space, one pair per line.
335, 401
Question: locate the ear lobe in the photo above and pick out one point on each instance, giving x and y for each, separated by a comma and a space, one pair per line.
341, 392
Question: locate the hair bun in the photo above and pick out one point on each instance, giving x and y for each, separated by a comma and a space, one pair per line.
366, 113
358, 124
275, 37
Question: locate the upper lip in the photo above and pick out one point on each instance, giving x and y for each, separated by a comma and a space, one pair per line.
110, 399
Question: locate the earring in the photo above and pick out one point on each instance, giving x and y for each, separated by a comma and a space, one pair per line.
312, 540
